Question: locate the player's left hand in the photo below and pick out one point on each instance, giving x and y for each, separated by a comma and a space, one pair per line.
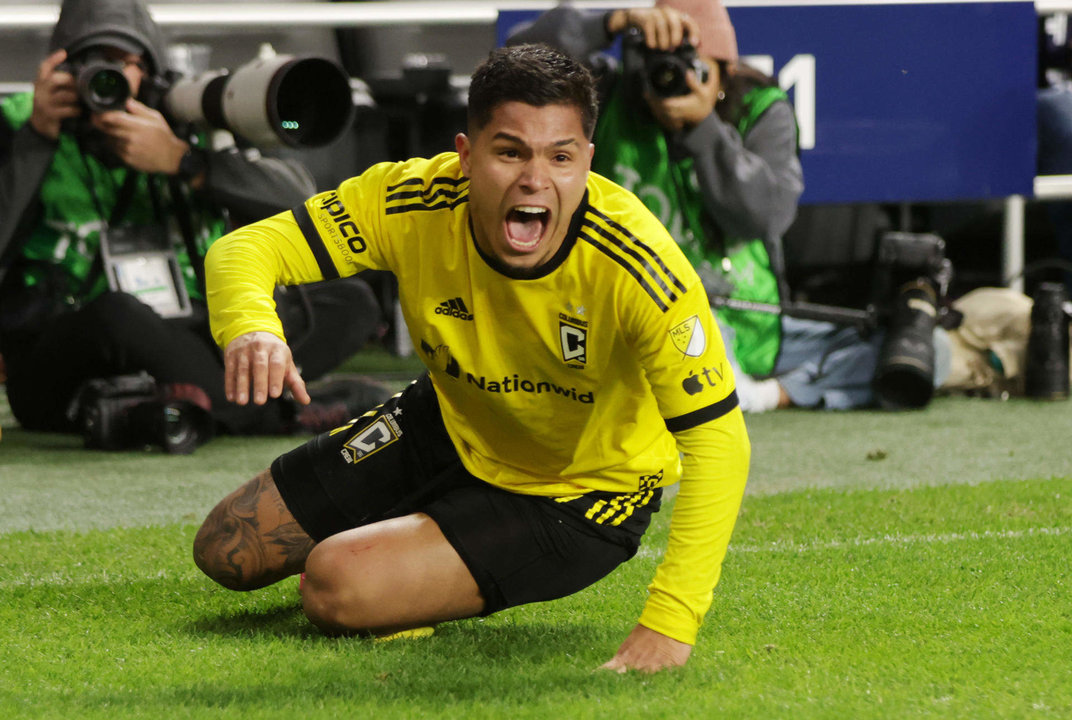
257, 366
142, 138
687, 111
648, 651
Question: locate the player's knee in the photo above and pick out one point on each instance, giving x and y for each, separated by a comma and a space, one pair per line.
331, 604
216, 556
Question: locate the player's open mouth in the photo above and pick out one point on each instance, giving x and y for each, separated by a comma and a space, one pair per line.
525, 225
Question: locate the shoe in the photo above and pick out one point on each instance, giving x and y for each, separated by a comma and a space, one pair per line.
338, 400
318, 418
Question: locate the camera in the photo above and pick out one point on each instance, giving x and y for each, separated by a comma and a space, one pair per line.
100, 82
270, 101
127, 412
664, 73
1046, 370
912, 276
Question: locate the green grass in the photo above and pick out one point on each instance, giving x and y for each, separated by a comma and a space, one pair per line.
884, 566
928, 602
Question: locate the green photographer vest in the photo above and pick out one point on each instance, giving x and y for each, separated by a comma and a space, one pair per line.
632, 150
77, 196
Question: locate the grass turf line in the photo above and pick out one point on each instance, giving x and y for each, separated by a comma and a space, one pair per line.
928, 602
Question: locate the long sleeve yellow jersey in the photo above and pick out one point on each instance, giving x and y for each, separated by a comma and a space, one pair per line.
605, 371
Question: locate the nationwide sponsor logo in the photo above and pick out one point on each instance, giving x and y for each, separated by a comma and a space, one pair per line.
344, 224
696, 383
455, 308
689, 337
383, 431
440, 359
517, 384
574, 336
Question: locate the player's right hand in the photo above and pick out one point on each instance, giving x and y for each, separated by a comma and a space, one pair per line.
259, 365
55, 97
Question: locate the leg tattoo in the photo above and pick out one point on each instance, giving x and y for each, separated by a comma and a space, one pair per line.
250, 539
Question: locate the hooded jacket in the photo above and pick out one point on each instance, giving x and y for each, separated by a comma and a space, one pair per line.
125, 24
246, 185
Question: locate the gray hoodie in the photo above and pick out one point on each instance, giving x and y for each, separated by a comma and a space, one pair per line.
125, 24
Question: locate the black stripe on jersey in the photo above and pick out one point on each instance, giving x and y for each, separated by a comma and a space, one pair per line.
444, 180
407, 194
642, 245
707, 414
629, 267
312, 237
445, 187
644, 264
421, 206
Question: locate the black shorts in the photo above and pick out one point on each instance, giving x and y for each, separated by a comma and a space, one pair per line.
398, 459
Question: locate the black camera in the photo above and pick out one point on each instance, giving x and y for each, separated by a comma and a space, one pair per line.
664, 72
127, 411
912, 276
100, 82
1046, 370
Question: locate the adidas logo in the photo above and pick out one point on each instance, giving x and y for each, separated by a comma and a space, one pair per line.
454, 307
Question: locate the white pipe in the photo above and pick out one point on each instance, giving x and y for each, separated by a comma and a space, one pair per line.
1012, 246
312, 14
1053, 187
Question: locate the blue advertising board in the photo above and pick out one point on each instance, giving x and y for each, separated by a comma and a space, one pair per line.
907, 101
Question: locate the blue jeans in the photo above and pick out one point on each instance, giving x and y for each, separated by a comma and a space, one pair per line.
828, 366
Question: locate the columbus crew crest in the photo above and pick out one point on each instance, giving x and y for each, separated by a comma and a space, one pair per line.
574, 342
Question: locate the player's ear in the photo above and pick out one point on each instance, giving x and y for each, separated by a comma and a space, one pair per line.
464, 148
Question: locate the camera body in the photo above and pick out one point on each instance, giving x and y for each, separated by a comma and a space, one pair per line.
100, 82
126, 412
664, 72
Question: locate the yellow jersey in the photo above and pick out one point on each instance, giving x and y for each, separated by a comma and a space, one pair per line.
573, 380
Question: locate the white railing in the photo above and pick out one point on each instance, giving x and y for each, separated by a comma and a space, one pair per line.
311, 14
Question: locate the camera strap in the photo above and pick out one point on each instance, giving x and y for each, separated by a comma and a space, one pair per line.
186, 229
122, 205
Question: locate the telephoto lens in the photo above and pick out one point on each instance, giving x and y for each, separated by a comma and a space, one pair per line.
904, 376
1046, 370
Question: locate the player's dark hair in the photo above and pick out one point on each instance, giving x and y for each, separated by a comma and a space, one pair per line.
536, 75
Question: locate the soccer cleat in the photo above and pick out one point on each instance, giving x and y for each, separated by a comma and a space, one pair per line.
411, 634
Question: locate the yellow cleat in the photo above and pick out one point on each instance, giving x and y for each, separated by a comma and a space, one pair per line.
411, 634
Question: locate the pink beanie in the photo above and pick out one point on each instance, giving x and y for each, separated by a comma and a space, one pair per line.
717, 37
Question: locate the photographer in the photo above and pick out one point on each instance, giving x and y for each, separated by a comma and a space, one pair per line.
80, 183
712, 151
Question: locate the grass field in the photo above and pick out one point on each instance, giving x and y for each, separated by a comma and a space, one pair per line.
884, 566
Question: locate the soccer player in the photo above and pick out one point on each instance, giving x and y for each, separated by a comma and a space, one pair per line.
574, 371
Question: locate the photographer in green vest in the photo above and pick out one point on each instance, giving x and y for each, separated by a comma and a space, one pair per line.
710, 146
106, 211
